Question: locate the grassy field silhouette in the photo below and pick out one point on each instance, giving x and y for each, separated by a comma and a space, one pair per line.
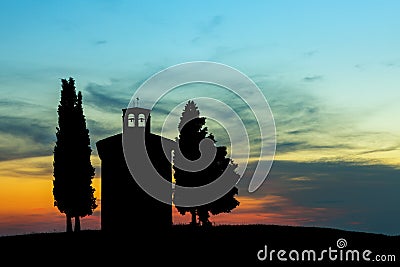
183, 245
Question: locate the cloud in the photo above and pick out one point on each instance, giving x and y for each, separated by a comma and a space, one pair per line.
104, 98
303, 145
14, 103
101, 42
25, 137
311, 53
359, 66
392, 64
40, 167
103, 108
269, 209
97, 128
305, 125
290, 146
212, 24
216, 21
309, 129
27, 127
342, 193
31, 129
207, 29
301, 179
21, 107
313, 78
300, 131
386, 149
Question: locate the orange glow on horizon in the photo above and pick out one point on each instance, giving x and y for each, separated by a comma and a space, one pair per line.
266, 210
27, 200
27, 203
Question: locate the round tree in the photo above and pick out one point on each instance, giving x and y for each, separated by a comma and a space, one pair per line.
192, 131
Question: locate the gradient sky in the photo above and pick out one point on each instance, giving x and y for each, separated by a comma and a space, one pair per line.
330, 71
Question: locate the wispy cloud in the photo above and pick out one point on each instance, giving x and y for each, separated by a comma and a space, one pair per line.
303, 145
208, 28
313, 78
300, 131
392, 63
290, 146
14, 103
101, 42
309, 129
339, 193
99, 129
39, 167
385, 149
27, 129
311, 53
104, 98
306, 127
211, 24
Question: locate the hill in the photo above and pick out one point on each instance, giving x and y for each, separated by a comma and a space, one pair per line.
187, 246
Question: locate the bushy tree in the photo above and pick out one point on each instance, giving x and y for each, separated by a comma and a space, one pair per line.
73, 172
192, 131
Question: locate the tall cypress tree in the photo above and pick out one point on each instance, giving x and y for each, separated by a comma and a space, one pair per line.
192, 131
73, 172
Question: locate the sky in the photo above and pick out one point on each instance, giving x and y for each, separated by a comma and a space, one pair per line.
330, 71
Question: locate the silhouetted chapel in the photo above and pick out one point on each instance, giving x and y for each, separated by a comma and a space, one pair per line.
124, 205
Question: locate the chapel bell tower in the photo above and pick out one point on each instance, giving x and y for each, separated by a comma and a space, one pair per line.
136, 121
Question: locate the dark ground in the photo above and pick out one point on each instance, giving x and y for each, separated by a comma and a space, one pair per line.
186, 246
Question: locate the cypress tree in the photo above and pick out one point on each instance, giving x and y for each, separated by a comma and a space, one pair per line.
73, 172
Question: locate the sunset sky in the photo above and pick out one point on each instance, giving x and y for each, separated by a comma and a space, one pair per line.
330, 71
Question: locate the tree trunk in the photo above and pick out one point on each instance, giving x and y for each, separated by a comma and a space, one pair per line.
194, 221
69, 223
77, 224
203, 217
